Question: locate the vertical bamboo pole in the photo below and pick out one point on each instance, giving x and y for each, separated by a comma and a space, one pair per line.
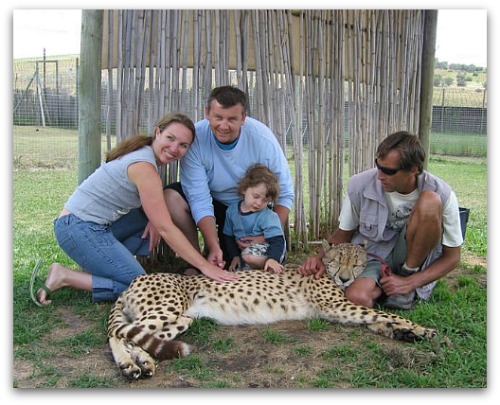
339, 76
131, 36
208, 60
184, 46
294, 88
109, 89
245, 37
152, 118
237, 16
197, 51
119, 84
259, 83
376, 52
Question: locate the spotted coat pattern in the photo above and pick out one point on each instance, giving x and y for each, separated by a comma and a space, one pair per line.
156, 308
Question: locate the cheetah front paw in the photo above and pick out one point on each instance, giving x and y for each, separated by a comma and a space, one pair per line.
413, 335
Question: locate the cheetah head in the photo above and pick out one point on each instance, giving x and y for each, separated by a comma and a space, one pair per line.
344, 262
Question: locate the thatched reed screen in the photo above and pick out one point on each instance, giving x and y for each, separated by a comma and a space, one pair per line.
331, 84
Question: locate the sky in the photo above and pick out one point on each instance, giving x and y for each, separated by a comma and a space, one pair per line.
461, 34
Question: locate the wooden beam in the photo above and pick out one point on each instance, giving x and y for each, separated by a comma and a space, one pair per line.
427, 83
89, 94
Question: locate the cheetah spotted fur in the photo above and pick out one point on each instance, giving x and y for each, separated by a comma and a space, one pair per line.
156, 308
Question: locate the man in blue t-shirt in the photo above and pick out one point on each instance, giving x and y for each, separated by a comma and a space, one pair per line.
227, 142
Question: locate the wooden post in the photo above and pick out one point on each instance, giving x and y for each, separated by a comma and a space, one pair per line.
427, 83
89, 91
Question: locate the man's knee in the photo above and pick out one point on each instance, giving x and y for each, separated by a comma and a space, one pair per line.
364, 291
426, 215
359, 299
429, 203
173, 199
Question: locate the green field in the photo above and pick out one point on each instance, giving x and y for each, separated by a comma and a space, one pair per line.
58, 148
60, 346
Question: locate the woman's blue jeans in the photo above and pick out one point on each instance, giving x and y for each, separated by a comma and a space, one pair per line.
105, 251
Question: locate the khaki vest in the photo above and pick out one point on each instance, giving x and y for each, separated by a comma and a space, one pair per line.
368, 199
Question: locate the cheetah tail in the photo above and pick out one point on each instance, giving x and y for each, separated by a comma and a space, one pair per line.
160, 349
169, 350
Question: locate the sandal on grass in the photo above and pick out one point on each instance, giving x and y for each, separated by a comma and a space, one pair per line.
37, 281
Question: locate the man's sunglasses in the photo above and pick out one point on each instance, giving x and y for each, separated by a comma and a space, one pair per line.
386, 170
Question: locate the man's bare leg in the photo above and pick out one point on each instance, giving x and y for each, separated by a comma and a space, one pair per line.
363, 291
423, 233
424, 228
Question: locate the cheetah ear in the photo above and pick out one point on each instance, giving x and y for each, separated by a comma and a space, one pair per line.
326, 246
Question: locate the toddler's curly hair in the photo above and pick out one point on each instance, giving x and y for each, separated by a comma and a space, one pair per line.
257, 174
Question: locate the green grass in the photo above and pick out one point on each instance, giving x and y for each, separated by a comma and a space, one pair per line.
318, 324
48, 147
276, 337
57, 148
458, 144
467, 177
457, 309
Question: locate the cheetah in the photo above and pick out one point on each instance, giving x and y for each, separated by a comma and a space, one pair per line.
344, 262
158, 307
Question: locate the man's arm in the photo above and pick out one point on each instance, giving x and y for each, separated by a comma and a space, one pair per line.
195, 179
314, 264
208, 229
395, 284
282, 213
339, 236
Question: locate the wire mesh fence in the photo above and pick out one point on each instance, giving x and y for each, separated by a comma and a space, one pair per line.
45, 115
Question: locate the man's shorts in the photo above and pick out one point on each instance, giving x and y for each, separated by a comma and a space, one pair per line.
396, 259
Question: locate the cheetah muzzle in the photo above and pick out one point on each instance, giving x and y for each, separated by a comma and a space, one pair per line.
156, 308
344, 262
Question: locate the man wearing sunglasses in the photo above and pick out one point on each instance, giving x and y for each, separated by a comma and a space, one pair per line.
407, 219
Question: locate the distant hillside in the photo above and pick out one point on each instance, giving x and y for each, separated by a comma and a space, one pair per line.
459, 75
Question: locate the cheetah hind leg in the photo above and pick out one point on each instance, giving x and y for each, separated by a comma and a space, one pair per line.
122, 354
144, 361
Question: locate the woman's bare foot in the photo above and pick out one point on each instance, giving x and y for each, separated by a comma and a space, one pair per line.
54, 282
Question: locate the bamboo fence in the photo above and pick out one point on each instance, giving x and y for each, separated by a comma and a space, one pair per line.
331, 84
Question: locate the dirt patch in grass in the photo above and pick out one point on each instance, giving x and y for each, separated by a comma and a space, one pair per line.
250, 362
300, 358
